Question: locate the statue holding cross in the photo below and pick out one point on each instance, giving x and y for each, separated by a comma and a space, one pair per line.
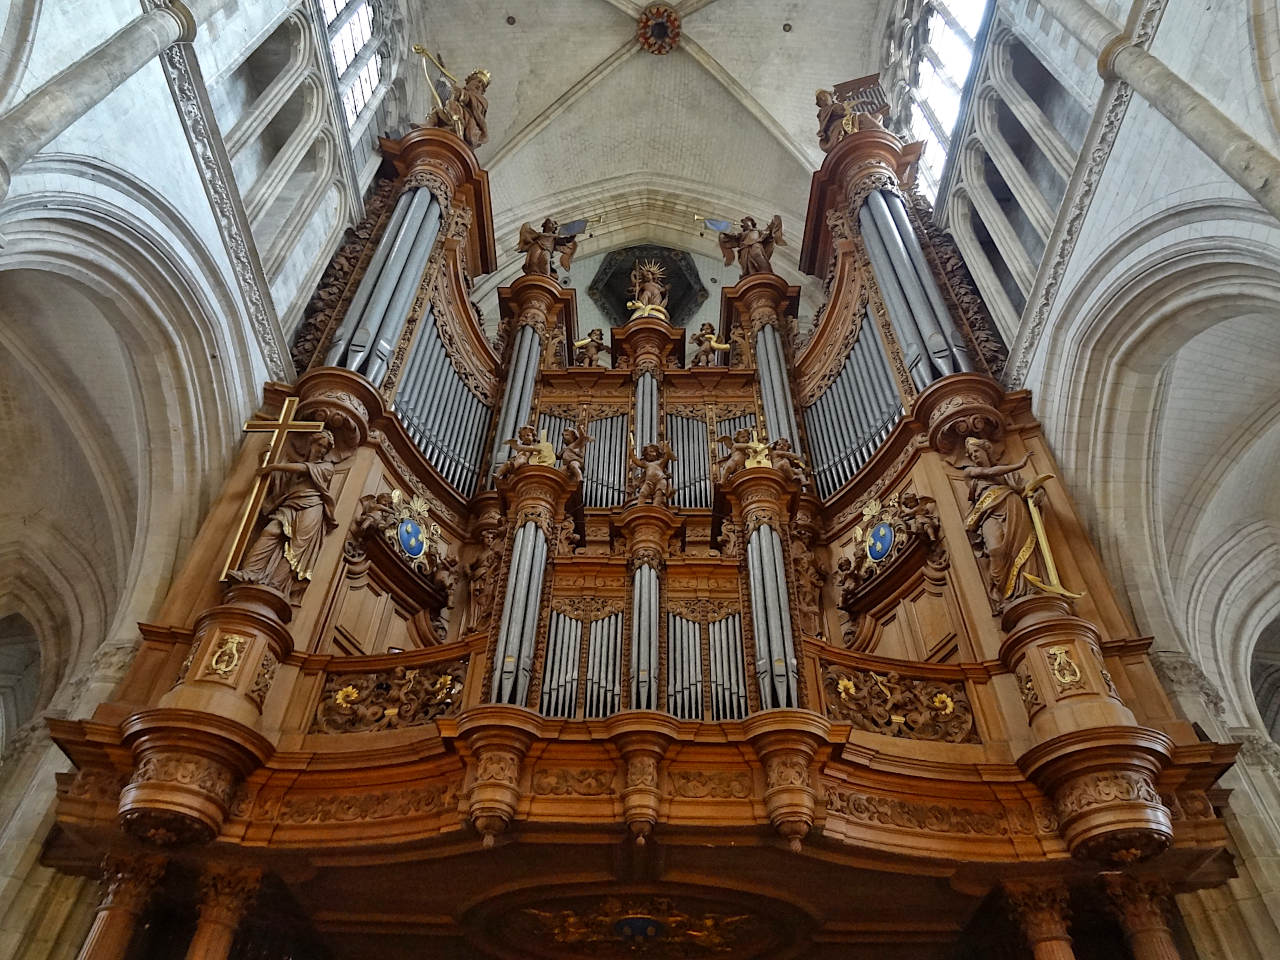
294, 498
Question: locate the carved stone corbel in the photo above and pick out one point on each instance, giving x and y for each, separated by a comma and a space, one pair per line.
642, 738
498, 738
787, 742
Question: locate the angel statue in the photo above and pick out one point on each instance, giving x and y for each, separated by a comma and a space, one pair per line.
541, 246
574, 452
740, 447
648, 292
463, 106
589, 349
753, 245
789, 463
708, 346
652, 473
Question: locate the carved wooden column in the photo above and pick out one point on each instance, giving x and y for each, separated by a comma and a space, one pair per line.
758, 306
1142, 906
1041, 909
497, 738
225, 894
648, 529
1090, 755
642, 738
129, 882
535, 497
539, 315
761, 500
787, 742
204, 736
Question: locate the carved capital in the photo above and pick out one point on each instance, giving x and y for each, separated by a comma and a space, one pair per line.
129, 880
226, 892
498, 737
642, 738
1041, 909
1141, 905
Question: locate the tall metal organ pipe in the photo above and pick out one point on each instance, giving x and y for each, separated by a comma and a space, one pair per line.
776, 666
513, 659
526, 353
644, 638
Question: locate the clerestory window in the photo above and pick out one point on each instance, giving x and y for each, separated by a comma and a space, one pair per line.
352, 28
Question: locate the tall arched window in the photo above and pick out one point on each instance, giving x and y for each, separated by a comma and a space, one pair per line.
939, 60
352, 27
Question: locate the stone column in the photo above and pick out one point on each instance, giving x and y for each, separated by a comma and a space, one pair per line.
129, 882
225, 894
1225, 142
1142, 906
34, 122
1040, 908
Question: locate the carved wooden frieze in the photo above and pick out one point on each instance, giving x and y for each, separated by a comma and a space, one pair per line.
897, 706
383, 700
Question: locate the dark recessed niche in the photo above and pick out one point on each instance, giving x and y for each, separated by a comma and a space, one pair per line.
610, 287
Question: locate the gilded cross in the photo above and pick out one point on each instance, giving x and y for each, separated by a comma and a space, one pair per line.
280, 428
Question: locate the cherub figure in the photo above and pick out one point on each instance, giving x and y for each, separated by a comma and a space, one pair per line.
919, 517
527, 449
648, 292
789, 463
589, 349
740, 449
847, 581
708, 346
541, 246
574, 451
753, 245
375, 512
652, 473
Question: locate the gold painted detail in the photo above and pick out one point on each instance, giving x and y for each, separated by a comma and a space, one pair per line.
897, 706
388, 700
228, 651
1066, 672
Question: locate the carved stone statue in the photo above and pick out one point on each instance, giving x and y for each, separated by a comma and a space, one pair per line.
920, 516
833, 120
589, 349
999, 522
483, 573
652, 473
574, 452
789, 463
753, 245
527, 449
541, 246
374, 512
708, 346
741, 446
648, 292
459, 107
299, 509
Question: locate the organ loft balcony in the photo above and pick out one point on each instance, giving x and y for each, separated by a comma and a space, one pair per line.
557, 643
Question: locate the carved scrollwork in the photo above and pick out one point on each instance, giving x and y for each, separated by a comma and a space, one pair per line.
384, 805
206, 775
715, 785
897, 706
577, 783
703, 609
263, 679
498, 766
930, 817
403, 697
787, 771
642, 771
1099, 789
587, 609
1027, 689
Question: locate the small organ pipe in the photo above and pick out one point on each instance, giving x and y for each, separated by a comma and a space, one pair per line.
501, 657
759, 618
532, 607
784, 612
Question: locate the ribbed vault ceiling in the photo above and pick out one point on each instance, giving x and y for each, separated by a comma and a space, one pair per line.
583, 121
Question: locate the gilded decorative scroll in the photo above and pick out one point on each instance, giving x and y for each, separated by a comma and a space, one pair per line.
897, 706
388, 700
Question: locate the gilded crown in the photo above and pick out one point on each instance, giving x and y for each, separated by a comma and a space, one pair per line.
480, 72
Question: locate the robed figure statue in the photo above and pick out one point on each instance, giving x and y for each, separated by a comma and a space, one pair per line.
299, 509
753, 245
999, 522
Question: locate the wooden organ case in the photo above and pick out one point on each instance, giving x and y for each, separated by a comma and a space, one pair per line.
821, 705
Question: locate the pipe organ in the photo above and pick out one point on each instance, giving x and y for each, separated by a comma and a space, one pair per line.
821, 616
